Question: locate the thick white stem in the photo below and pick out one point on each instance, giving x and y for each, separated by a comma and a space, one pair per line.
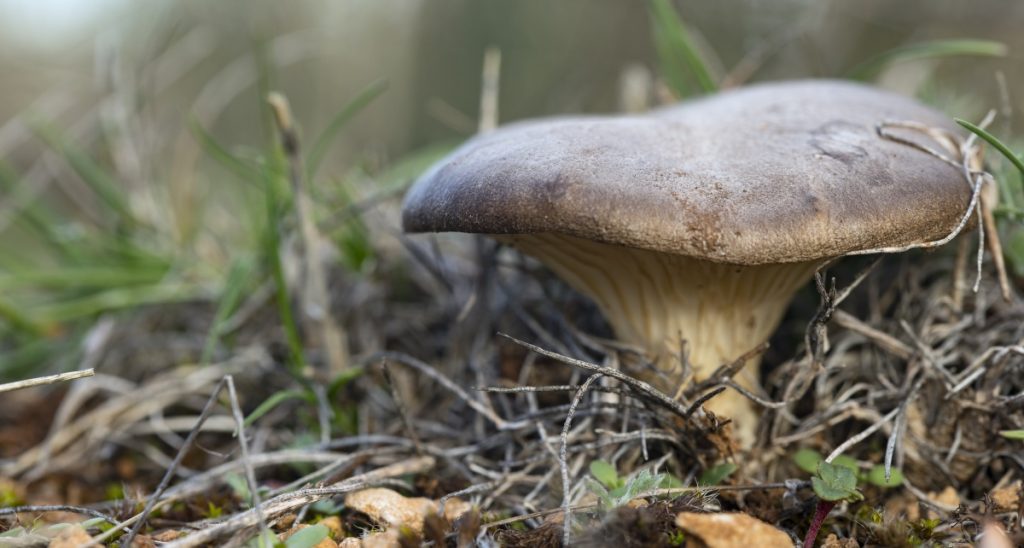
656, 300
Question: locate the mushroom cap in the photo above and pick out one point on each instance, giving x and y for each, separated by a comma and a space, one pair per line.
771, 173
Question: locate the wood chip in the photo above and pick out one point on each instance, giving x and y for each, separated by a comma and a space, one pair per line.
731, 530
1006, 499
71, 537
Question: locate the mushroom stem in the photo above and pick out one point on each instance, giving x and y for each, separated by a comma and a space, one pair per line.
656, 300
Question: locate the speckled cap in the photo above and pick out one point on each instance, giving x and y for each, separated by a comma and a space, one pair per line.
771, 173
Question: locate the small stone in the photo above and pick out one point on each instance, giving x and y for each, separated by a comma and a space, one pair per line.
454, 508
386, 539
724, 530
388, 507
333, 523
947, 497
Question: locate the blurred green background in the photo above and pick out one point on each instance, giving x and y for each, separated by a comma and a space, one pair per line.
136, 152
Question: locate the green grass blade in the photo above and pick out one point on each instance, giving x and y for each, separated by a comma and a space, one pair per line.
218, 152
277, 399
27, 359
926, 50
19, 320
106, 187
679, 60
272, 255
115, 299
80, 277
1012, 434
995, 142
42, 220
237, 281
342, 380
320, 145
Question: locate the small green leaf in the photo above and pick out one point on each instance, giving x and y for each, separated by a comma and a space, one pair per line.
717, 473
326, 507
671, 482
605, 473
213, 511
1012, 434
16, 532
239, 485
276, 399
847, 462
835, 483
876, 476
92, 522
808, 460
644, 482
606, 498
307, 537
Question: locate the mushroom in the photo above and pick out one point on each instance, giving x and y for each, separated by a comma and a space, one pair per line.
699, 221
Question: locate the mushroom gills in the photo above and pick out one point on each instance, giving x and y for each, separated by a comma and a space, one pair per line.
656, 300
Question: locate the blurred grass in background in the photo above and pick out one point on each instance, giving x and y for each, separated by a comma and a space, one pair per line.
138, 161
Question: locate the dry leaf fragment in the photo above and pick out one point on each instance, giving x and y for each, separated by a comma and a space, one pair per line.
724, 530
835, 542
71, 537
1007, 498
386, 539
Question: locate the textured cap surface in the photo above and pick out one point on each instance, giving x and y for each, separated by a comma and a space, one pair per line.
777, 172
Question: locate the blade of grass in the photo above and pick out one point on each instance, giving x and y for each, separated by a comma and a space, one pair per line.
342, 379
677, 55
26, 358
218, 152
320, 145
234, 286
277, 399
106, 187
75, 277
19, 320
925, 50
995, 142
114, 299
42, 220
277, 192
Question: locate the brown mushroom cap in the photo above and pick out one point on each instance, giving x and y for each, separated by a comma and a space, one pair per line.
772, 173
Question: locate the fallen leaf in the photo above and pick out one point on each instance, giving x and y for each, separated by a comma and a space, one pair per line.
71, 537
1007, 498
731, 530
